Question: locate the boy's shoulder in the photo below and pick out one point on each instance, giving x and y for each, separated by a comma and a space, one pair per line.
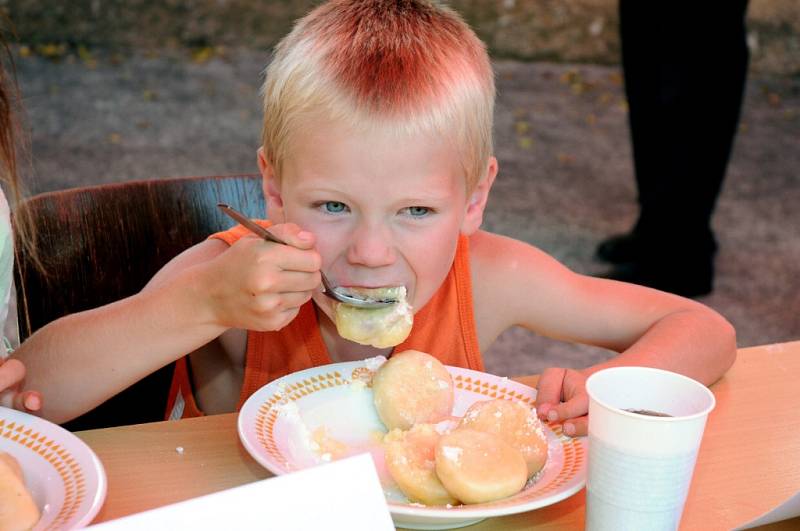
506, 273
495, 258
495, 254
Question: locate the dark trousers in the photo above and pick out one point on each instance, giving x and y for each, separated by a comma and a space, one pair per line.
685, 67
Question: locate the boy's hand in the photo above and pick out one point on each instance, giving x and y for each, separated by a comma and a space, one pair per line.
260, 285
12, 372
561, 396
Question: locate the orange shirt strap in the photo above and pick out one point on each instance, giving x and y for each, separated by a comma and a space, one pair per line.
469, 330
233, 234
180, 401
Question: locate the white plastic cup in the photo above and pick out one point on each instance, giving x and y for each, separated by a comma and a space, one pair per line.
640, 466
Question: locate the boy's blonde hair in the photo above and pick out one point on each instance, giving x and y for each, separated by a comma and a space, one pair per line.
413, 66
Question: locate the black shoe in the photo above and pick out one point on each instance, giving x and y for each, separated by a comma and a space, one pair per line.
620, 249
632, 247
688, 281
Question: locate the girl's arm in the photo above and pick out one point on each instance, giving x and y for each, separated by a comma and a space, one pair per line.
12, 373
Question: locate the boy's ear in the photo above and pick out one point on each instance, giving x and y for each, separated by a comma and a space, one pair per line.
478, 198
270, 187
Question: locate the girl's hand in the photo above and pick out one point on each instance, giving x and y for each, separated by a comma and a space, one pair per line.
562, 397
260, 285
12, 373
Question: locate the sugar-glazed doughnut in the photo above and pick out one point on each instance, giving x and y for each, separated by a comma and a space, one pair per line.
412, 387
515, 423
411, 461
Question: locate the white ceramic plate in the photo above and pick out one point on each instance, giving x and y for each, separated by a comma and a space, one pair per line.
278, 424
64, 476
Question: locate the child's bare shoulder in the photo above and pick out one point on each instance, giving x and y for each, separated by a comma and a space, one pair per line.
505, 274
500, 258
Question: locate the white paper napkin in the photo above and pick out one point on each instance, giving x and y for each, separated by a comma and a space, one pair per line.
344, 494
788, 509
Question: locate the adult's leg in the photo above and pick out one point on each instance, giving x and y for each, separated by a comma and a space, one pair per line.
684, 73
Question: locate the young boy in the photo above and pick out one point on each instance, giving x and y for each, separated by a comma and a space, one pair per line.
377, 166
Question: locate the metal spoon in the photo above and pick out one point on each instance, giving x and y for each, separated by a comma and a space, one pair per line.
328, 290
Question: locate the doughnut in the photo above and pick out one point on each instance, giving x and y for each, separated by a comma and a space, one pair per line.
410, 459
380, 327
478, 467
412, 388
515, 423
18, 511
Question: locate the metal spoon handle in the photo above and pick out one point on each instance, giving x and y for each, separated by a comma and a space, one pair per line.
250, 224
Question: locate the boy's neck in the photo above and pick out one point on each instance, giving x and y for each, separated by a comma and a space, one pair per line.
340, 349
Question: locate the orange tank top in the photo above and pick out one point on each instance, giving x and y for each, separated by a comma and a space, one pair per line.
444, 328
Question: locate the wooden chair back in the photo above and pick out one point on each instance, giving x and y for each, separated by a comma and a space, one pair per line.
102, 243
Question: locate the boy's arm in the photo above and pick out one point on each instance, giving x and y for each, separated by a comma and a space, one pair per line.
648, 327
81, 360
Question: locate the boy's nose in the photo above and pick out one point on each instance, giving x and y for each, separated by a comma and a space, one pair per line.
371, 247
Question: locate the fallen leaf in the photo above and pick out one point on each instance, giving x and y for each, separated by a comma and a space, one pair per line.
605, 98
520, 112
201, 55
86, 56
569, 77
52, 50
522, 127
565, 158
525, 142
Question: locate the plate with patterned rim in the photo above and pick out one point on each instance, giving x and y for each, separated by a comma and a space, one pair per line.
64, 476
323, 413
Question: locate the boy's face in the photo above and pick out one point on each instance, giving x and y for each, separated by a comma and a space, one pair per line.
385, 212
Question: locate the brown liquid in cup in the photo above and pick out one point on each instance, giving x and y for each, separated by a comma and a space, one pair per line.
648, 412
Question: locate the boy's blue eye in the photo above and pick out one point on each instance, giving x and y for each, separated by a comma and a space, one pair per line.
418, 211
334, 207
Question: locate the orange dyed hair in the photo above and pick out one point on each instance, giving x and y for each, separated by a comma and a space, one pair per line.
411, 65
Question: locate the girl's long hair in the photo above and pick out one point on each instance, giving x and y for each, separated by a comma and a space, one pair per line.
13, 148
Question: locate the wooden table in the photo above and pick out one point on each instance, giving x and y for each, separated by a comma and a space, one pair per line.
748, 464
